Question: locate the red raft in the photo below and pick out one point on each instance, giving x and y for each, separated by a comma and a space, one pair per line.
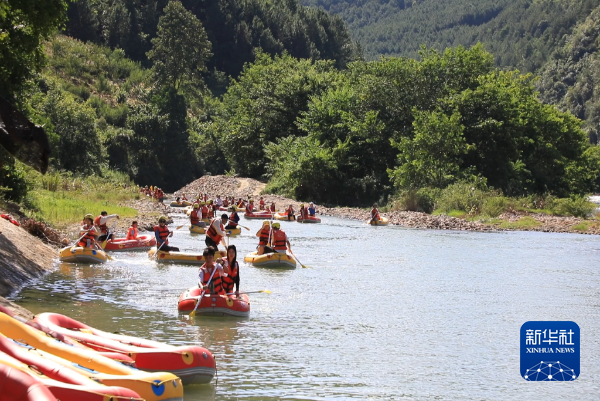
308, 219
19, 386
259, 215
213, 304
192, 364
142, 243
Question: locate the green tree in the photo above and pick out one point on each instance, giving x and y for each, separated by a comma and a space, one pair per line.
24, 25
181, 49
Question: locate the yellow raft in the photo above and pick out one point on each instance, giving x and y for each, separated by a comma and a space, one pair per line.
381, 222
276, 259
78, 254
233, 231
181, 257
180, 204
197, 230
153, 386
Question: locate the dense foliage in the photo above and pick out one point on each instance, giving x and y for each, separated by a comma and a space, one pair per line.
234, 28
520, 33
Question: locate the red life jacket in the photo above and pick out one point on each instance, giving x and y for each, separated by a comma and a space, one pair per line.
216, 284
132, 233
194, 219
290, 210
163, 233
263, 238
87, 235
225, 202
302, 213
232, 220
212, 232
249, 208
375, 214
261, 205
204, 212
273, 208
103, 227
228, 281
279, 240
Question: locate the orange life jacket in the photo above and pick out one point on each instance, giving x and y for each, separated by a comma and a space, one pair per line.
216, 284
163, 234
212, 232
88, 233
249, 208
194, 219
375, 214
204, 212
132, 233
103, 227
263, 238
225, 202
228, 280
279, 240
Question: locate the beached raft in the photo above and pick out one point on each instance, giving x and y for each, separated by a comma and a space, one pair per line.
214, 304
192, 364
181, 257
78, 254
142, 243
275, 260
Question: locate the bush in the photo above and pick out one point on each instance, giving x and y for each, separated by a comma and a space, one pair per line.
577, 206
421, 200
464, 195
494, 206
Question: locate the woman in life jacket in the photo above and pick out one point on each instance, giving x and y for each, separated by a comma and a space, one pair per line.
264, 236
212, 285
195, 215
290, 213
279, 239
232, 271
261, 204
234, 219
88, 232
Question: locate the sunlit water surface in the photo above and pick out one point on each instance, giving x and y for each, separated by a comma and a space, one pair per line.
381, 312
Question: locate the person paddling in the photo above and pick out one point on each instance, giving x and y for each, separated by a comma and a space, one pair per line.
263, 237
88, 232
311, 209
162, 233
195, 215
290, 213
303, 212
216, 232
215, 285
279, 239
374, 214
234, 219
132, 232
261, 204
232, 270
273, 210
101, 222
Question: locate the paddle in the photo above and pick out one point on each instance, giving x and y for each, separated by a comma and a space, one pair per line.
80, 238
239, 225
110, 230
303, 266
107, 255
193, 313
251, 292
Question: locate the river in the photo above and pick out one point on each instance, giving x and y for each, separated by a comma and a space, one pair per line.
381, 313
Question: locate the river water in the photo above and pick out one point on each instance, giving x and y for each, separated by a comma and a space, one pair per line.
382, 313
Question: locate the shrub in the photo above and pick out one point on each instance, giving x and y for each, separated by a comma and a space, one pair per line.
577, 206
463, 195
494, 206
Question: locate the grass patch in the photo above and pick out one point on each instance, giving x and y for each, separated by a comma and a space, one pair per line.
522, 224
460, 214
586, 226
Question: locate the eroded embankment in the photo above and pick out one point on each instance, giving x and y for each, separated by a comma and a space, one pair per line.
23, 257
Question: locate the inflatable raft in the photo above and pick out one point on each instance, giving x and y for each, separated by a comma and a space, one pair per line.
64, 384
181, 257
77, 254
281, 216
214, 304
142, 243
309, 219
153, 386
180, 204
276, 259
233, 231
383, 221
258, 215
19, 386
197, 230
192, 364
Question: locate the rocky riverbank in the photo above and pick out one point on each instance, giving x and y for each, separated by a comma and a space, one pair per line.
515, 221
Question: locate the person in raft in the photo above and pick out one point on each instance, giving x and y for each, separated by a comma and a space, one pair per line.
311, 209
261, 204
216, 232
132, 232
88, 232
232, 270
212, 285
303, 212
279, 239
195, 217
290, 213
162, 234
234, 219
250, 207
264, 236
273, 210
374, 214
219, 201
183, 197
102, 223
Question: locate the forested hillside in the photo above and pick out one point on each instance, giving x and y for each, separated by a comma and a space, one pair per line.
519, 33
